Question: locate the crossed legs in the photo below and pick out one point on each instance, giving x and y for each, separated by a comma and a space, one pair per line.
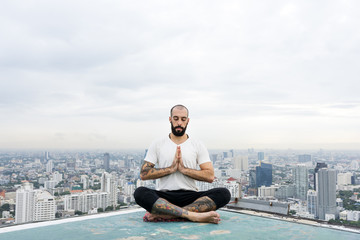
194, 206
202, 210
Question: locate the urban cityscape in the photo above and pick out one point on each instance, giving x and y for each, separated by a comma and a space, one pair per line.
37, 186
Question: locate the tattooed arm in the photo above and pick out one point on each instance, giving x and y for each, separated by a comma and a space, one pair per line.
206, 172
149, 172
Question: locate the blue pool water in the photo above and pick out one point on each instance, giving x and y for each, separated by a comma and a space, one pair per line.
131, 227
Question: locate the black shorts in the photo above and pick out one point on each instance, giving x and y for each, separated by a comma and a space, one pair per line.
146, 197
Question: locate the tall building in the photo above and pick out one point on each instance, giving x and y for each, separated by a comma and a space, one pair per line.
326, 192
252, 178
107, 162
304, 158
319, 165
129, 189
86, 201
84, 179
263, 175
49, 166
344, 178
284, 192
25, 203
109, 185
57, 177
261, 156
46, 156
312, 202
241, 163
44, 206
33, 205
301, 181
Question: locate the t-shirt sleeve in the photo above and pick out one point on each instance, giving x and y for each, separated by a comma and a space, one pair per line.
151, 155
203, 154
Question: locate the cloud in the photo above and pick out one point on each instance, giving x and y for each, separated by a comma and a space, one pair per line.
86, 66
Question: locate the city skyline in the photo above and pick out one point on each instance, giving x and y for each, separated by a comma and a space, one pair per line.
278, 75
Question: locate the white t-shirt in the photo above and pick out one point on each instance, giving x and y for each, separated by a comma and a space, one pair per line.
162, 153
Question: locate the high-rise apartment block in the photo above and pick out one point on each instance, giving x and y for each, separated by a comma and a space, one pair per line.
344, 178
241, 163
45, 207
49, 166
301, 181
109, 184
284, 192
86, 201
326, 192
33, 205
84, 179
312, 202
25, 203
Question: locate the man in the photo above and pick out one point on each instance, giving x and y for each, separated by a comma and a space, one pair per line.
177, 157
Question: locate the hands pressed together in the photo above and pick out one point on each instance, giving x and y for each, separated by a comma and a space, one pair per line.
178, 164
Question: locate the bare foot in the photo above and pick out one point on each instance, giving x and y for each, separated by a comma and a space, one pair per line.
206, 217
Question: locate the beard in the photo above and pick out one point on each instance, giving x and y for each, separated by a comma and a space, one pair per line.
175, 131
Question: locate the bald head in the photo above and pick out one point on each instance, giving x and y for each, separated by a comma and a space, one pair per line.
180, 107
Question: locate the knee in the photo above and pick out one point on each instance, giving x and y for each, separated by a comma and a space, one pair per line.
227, 195
139, 192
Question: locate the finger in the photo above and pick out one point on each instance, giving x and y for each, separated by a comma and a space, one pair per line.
178, 152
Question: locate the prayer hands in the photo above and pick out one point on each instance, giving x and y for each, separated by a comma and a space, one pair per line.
178, 164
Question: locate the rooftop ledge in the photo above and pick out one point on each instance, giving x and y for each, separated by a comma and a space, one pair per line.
128, 225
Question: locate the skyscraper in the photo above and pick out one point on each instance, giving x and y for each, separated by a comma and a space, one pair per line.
301, 181
318, 166
109, 185
241, 163
252, 178
264, 175
326, 192
107, 162
49, 166
261, 156
25, 203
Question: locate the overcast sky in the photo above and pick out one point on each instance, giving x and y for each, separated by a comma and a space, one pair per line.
104, 74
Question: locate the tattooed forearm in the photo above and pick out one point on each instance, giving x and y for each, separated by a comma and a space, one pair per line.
203, 204
161, 206
149, 172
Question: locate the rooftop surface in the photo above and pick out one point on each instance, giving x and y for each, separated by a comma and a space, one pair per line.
129, 225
